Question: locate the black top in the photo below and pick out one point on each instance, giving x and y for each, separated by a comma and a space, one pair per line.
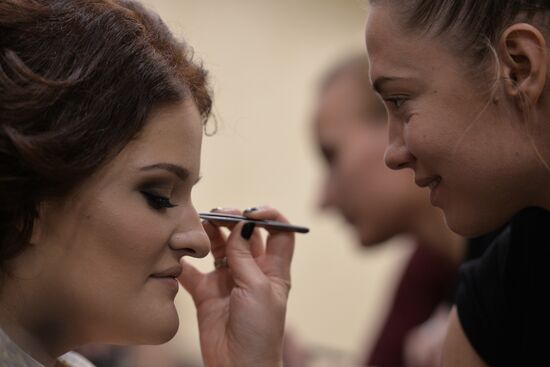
502, 300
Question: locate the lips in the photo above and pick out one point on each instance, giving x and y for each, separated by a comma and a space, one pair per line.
172, 272
430, 182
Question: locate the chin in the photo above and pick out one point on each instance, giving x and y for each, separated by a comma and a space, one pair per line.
474, 223
165, 334
155, 326
165, 328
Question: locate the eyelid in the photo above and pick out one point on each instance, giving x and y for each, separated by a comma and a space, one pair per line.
157, 201
162, 182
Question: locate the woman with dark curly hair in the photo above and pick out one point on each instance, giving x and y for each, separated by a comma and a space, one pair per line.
101, 119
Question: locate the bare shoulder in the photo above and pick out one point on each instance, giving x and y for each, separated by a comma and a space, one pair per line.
457, 351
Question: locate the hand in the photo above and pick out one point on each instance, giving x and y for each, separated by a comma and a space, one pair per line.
241, 308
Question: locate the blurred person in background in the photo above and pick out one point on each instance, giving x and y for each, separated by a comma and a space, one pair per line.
379, 204
350, 128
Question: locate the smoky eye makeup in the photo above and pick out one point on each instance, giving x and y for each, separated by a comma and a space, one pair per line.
156, 201
157, 194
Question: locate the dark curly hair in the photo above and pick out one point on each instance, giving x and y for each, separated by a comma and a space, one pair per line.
78, 79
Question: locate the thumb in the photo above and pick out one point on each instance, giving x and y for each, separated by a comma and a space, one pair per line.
190, 279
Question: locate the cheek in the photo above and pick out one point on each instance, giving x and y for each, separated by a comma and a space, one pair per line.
438, 123
118, 243
449, 127
430, 140
106, 271
131, 231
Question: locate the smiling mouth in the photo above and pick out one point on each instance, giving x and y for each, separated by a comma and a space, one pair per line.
431, 182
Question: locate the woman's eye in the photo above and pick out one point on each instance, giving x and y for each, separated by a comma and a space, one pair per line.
157, 202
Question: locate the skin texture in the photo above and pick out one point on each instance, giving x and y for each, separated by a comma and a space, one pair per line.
377, 202
488, 149
445, 124
90, 274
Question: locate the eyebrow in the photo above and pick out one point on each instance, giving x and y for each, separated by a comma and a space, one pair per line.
180, 172
378, 84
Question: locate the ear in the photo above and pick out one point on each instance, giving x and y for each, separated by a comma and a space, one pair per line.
523, 56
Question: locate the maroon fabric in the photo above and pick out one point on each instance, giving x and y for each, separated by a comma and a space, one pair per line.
425, 283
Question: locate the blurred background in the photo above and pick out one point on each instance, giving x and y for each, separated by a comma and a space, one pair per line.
265, 59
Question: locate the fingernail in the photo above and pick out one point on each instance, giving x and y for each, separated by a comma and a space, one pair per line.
250, 210
218, 209
247, 230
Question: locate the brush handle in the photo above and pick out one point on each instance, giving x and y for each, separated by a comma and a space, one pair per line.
268, 224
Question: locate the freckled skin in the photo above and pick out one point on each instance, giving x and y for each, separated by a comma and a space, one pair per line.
448, 127
490, 158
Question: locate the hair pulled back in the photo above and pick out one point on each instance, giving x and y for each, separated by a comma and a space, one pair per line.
78, 79
471, 26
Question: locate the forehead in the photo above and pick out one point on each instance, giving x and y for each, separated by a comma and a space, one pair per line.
397, 53
172, 134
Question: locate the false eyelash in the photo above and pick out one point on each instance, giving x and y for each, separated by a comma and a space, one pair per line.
157, 202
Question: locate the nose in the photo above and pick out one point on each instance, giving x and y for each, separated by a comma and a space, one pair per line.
190, 239
397, 154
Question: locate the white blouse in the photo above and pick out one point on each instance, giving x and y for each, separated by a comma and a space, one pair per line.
13, 356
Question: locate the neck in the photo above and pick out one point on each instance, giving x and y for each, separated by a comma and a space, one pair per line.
30, 327
431, 230
540, 179
29, 344
543, 197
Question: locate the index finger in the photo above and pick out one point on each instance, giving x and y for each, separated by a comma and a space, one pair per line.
279, 245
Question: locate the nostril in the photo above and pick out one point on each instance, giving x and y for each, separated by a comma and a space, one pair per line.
391, 164
190, 251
